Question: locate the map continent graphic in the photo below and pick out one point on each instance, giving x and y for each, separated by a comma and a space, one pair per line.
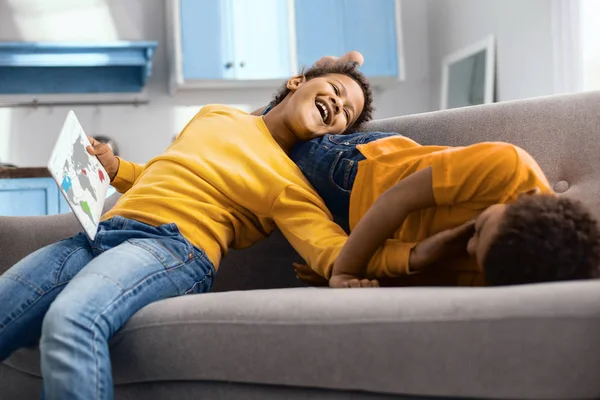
77, 175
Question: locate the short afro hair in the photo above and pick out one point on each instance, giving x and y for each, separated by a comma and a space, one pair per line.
350, 69
544, 238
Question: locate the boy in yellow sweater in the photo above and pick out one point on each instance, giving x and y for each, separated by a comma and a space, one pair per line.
226, 181
482, 214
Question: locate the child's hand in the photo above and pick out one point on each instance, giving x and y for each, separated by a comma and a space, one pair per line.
308, 276
349, 281
351, 56
109, 161
448, 244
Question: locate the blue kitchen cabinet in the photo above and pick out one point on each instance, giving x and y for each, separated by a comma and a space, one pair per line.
228, 41
370, 27
28, 196
71, 67
261, 39
334, 27
206, 48
319, 29
33, 196
233, 43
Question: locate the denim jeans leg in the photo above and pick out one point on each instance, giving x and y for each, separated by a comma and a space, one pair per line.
28, 288
99, 301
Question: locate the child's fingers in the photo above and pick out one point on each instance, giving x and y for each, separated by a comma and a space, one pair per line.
303, 278
325, 60
97, 148
304, 269
468, 228
353, 56
307, 275
302, 275
300, 268
101, 149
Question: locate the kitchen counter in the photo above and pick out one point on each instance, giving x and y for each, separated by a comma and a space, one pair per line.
32, 191
35, 172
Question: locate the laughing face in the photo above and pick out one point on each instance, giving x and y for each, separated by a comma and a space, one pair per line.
324, 105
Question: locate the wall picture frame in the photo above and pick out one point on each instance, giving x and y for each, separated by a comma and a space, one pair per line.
468, 75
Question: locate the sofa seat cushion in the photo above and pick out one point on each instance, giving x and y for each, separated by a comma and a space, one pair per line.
512, 342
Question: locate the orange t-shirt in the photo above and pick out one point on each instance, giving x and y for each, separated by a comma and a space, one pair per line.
466, 180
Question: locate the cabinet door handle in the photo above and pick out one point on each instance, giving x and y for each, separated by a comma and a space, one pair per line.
242, 64
229, 65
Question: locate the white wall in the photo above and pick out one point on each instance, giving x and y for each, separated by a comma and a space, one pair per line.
523, 40
27, 135
411, 96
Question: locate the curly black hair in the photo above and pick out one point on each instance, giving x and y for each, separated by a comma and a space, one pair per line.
544, 238
350, 69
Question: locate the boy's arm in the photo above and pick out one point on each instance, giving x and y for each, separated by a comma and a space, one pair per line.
127, 174
380, 223
306, 223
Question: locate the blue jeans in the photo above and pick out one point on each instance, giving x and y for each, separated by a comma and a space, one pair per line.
74, 295
330, 164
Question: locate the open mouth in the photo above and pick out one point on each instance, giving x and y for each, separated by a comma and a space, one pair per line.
323, 108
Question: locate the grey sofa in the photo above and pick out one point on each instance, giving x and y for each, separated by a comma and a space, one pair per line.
291, 342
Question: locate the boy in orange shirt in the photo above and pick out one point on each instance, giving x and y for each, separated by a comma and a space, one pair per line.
489, 201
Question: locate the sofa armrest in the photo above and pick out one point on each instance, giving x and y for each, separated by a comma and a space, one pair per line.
20, 236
